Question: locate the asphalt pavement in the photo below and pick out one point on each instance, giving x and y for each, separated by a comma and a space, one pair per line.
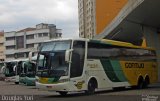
12, 92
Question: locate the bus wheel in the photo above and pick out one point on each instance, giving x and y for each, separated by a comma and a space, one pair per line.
92, 85
16, 83
140, 83
63, 93
146, 82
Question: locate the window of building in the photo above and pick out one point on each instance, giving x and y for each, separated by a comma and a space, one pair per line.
20, 42
30, 36
45, 34
10, 38
10, 56
10, 47
20, 55
30, 45
40, 34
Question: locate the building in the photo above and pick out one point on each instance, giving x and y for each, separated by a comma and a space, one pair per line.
95, 15
134, 21
86, 9
2, 48
19, 43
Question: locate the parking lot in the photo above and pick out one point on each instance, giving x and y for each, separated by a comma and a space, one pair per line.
10, 89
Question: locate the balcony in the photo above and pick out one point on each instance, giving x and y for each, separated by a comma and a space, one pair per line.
41, 39
9, 43
24, 50
1, 40
30, 41
9, 34
10, 51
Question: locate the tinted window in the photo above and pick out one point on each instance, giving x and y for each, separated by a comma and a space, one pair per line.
98, 51
77, 59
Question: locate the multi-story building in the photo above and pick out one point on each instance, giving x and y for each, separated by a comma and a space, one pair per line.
19, 43
86, 9
2, 48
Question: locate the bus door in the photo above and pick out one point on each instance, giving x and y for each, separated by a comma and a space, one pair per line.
77, 64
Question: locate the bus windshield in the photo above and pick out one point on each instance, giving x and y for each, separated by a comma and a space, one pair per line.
51, 59
55, 46
9, 70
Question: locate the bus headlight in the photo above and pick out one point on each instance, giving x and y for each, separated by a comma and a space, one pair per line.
64, 80
36, 79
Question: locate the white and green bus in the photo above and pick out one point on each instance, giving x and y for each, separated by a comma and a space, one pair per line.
12, 70
71, 65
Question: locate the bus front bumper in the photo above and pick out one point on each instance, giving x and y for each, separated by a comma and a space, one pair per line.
10, 79
30, 81
66, 86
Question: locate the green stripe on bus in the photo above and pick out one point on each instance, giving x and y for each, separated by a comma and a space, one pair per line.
109, 70
118, 70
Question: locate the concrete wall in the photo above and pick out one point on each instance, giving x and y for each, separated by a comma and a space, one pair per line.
106, 11
153, 40
127, 7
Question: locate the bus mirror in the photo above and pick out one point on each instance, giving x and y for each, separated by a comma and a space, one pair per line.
67, 55
14, 68
3, 70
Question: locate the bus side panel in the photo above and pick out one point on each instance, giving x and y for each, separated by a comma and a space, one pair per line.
108, 73
133, 70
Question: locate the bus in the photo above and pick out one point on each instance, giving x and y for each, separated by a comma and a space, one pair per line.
29, 72
74, 65
2, 76
12, 69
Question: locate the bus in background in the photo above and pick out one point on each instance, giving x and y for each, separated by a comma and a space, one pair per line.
2, 76
12, 70
29, 71
71, 65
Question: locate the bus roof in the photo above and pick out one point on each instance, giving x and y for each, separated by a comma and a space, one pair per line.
104, 41
120, 43
64, 39
16, 60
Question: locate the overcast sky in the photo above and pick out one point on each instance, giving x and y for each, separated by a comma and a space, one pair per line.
19, 14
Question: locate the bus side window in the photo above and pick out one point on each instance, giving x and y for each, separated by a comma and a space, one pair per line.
75, 67
77, 59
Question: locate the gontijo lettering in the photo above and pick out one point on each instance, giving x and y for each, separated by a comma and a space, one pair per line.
134, 65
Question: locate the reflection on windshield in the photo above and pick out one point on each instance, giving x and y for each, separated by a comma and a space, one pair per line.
42, 62
58, 64
55, 46
54, 63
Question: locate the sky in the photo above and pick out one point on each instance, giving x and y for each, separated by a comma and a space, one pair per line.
19, 14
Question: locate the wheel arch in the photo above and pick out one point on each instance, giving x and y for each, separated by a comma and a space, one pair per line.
94, 80
147, 78
140, 79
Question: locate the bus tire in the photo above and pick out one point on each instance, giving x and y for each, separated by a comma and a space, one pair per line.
92, 85
146, 82
63, 93
140, 84
16, 83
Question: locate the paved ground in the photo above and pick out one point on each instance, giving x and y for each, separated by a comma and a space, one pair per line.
30, 93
